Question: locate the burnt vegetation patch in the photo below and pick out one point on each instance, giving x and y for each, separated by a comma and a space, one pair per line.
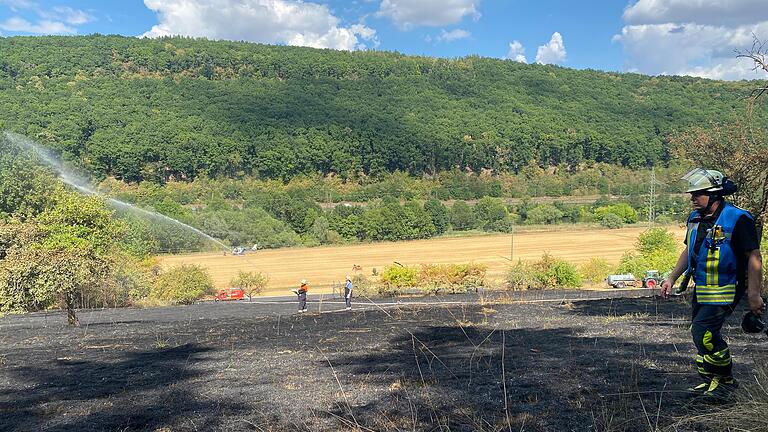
606, 365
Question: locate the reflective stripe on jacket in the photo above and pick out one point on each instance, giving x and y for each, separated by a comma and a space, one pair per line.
715, 264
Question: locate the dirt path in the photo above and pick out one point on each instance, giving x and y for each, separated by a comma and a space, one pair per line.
323, 266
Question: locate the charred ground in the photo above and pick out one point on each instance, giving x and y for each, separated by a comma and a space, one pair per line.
613, 364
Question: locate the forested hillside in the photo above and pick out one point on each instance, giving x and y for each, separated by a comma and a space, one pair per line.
176, 108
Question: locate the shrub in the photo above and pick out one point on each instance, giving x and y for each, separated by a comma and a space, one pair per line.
462, 216
551, 272
364, 287
654, 240
432, 277
622, 210
506, 225
596, 270
544, 214
520, 275
435, 277
395, 278
490, 210
466, 276
253, 283
656, 249
612, 221
438, 213
182, 284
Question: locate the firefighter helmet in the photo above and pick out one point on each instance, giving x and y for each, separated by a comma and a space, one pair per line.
713, 181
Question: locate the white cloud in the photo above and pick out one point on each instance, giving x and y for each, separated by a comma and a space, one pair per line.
69, 15
268, 21
516, 52
16, 24
453, 35
408, 14
713, 12
698, 38
56, 20
553, 52
17, 5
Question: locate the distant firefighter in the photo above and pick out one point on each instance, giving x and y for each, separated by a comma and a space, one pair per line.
348, 292
302, 295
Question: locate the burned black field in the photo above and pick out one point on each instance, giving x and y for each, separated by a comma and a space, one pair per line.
458, 363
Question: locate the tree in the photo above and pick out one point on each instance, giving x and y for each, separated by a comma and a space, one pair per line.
438, 213
65, 255
622, 210
490, 210
544, 214
183, 284
738, 148
253, 283
611, 220
462, 216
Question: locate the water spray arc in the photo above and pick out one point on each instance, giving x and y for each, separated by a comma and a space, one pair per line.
84, 187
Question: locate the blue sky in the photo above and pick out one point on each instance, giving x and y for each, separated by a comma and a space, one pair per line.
687, 37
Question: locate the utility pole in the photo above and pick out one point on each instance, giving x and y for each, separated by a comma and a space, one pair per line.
652, 199
512, 246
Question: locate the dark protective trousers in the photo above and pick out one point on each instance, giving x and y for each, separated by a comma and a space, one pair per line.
302, 301
348, 296
714, 356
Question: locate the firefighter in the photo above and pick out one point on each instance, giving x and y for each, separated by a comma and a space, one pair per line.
302, 294
348, 293
722, 258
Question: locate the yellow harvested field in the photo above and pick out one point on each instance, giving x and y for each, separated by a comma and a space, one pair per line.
324, 266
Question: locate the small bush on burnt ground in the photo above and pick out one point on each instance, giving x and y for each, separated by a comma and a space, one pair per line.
182, 284
547, 273
436, 278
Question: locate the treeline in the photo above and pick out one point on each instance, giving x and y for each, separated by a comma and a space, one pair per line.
531, 181
273, 214
179, 108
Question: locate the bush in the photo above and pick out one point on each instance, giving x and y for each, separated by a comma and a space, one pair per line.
462, 216
551, 272
622, 210
544, 214
436, 277
520, 275
656, 249
395, 278
596, 270
612, 221
466, 276
438, 213
364, 287
253, 283
506, 225
489, 210
655, 240
183, 284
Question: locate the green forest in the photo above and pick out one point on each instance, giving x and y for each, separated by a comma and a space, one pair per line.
288, 146
179, 108
285, 146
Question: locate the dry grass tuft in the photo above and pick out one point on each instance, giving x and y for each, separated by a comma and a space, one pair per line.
626, 317
746, 413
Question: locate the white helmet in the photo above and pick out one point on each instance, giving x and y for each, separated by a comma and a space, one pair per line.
700, 179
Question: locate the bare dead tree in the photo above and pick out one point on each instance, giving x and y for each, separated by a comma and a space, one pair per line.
739, 149
757, 54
